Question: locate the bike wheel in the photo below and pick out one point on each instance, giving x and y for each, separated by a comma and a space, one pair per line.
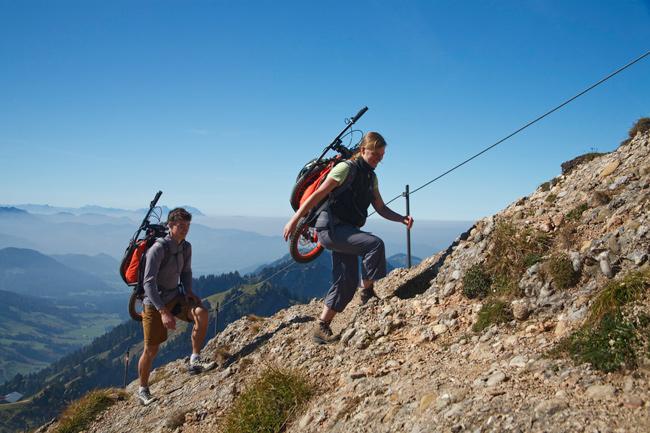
301, 185
303, 243
135, 307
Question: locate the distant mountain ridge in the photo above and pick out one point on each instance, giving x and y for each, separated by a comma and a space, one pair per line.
214, 250
29, 272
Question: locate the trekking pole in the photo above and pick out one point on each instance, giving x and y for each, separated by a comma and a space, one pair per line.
408, 230
126, 367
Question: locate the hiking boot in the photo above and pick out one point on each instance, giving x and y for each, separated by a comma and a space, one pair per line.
367, 295
323, 334
199, 366
145, 397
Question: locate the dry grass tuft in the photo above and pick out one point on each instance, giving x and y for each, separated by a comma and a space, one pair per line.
269, 403
80, 413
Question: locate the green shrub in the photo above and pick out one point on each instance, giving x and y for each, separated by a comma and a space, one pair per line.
80, 413
550, 198
569, 166
532, 259
268, 403
512, 251
560, 269
641, 125
620, 292
575, 213
610, 340
491, 313
546, 186
476, 282
609, 346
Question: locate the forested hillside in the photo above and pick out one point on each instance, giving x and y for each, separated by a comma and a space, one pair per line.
101, 364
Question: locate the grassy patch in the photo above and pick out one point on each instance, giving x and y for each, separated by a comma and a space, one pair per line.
575, 213
550, 198
545, 187
476, 282
610, 340
82, 412
641, 125
269, 402
531, 259
619, 292
609, 346
569, 166
491, 313
560, 269
513, 250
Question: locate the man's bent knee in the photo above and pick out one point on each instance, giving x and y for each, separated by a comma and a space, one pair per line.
150, 350
200, 314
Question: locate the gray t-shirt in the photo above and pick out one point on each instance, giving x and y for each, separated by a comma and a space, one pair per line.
161, 282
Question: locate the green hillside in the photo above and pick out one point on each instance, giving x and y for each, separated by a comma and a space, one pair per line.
35, 332
101, 363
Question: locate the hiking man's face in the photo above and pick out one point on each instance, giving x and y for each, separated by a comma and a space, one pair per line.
178, 229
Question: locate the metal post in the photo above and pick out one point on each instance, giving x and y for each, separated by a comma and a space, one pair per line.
126, 367
216, 319
408, 230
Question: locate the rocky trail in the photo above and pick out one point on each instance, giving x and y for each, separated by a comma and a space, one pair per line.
412, 360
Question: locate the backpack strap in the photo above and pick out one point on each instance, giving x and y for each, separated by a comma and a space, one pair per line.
347, 183
167, 254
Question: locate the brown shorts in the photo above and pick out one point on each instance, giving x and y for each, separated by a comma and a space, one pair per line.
154, 331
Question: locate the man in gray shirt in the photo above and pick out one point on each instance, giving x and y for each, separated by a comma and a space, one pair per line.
168, 295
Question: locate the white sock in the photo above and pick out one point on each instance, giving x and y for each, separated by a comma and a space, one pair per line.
194, 357
143, 388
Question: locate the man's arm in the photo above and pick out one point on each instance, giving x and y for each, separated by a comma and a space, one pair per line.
186, 272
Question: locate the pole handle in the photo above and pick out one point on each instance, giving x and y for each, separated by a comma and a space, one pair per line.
359, 114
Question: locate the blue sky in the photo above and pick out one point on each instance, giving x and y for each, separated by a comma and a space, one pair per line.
220, 103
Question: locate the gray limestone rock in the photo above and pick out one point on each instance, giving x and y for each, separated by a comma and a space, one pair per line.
520, 309
604, 263
548, 408
449, 289
496, 378
600, 392
519, 361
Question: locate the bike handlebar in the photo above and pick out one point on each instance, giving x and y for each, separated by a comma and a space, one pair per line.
337, 140
145, 220
359, 114
155, 200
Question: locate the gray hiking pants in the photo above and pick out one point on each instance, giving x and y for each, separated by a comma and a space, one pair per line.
346, 243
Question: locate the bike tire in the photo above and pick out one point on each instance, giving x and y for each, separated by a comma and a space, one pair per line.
134, 311
301, 185
303, 243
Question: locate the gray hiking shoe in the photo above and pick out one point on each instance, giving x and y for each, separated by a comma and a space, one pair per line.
145, 397
199, 366
323, 334
366, 295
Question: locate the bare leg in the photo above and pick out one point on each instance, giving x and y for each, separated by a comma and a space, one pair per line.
367, 284
144, 364
200, 329
327, 315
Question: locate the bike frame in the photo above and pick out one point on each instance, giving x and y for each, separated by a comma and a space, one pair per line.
336, 143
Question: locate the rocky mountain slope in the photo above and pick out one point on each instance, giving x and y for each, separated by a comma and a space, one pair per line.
536, 320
